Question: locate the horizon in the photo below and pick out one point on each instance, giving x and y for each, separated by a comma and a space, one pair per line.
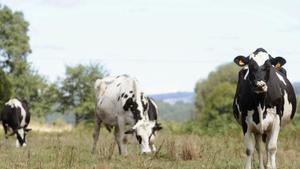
167, 45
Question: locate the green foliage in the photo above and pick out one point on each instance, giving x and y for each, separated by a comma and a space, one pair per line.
14, 41
19, 78
213, 103
77, 92
5, 88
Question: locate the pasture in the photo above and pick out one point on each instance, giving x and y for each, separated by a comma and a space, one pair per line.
72, 150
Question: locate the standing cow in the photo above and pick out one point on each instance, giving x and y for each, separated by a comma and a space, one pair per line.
120, 102
15, 116
264, 101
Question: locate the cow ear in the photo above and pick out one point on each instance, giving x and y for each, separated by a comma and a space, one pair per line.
241, 60
130, 131
27, 130
157, 127
278, 62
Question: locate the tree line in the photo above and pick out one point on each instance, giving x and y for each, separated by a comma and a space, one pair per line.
74, 93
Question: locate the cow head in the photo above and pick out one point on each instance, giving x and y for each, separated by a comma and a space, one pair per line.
259, 64
21, 136
145, 133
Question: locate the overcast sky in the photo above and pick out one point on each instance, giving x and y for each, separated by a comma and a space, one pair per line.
167, 44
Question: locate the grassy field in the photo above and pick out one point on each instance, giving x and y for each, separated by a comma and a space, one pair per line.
72, 150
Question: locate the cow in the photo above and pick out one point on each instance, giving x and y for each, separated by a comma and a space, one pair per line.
120, 102
264, 102
15, 116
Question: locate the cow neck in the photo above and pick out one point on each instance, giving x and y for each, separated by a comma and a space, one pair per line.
274, 89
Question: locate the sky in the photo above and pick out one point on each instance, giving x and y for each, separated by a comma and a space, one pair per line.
168, 45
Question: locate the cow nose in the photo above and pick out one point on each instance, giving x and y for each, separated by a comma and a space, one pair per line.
146, 151
260, 84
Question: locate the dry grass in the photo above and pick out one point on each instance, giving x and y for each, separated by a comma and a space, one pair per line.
72, 150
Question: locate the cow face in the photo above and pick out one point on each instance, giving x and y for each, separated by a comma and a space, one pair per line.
145, 134
258, 68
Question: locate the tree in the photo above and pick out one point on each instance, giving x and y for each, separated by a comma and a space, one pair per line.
19, 78
5, 89
214, 98
77, 91
14, 41
14, 48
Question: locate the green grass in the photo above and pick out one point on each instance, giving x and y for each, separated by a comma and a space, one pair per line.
178, 151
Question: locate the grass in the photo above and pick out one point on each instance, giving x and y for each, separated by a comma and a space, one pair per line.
72, 150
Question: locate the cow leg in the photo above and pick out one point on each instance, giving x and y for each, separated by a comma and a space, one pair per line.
259, 148
96, 134
120, 136
271, 144
5, 130
249, 149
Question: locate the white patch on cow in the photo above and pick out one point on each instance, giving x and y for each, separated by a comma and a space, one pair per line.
260, 58
287, 109
266, 122
17, 143
281, 78
21, 133
260, 114
246, 75
15, 103
239, 110
144, 130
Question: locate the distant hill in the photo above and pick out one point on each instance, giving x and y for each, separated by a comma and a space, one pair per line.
175, 106
172, 98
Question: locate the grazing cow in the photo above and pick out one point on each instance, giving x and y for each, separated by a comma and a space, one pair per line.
120, 102
16, 117
264, 101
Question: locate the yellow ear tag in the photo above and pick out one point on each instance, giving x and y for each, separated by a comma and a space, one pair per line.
277, 66
241, 63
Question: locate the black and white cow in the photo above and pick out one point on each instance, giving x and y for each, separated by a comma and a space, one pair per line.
15, 116
120, 102
264, 101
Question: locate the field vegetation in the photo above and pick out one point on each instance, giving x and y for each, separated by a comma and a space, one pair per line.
72, 150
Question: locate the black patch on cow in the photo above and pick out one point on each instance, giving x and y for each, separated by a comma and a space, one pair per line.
256, 117
152, 111
133, 96
130, 91
118, 84
139, 138
264, 137
122, 95
125, 96
132, 106
119, 98
248, 152
144, 104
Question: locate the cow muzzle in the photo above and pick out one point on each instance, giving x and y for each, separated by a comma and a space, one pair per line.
260, 87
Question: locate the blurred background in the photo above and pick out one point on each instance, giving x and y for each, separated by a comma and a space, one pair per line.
181, 51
